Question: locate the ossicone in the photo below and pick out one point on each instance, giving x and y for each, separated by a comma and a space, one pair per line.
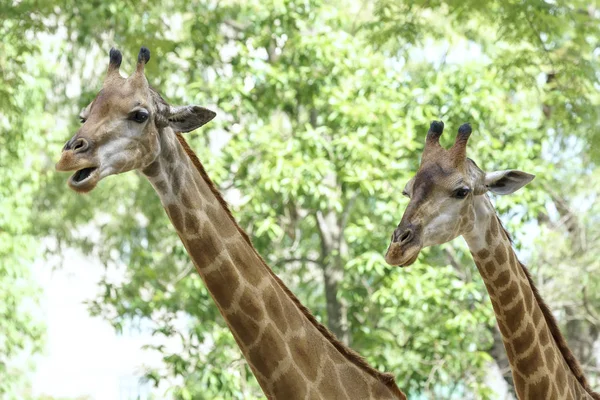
115, 58
142, 60
464, 131
459, 149
435, 131
144, 55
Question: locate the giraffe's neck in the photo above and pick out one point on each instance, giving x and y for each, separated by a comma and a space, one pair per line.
536, 350
291, 355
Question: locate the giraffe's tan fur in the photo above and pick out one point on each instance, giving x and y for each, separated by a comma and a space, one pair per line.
291, 354
543, 367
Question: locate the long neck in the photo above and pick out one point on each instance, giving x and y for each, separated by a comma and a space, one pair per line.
291, 355
542, 365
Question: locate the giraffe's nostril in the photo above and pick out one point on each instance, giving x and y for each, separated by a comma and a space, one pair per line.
80, 145
406, 236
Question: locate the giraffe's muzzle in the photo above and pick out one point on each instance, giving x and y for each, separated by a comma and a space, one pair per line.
86, 174
396, 255
404, 247
84, 180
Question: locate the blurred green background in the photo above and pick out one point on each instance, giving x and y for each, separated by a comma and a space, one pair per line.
322, 111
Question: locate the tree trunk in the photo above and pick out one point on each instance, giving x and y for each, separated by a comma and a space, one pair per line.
333, 251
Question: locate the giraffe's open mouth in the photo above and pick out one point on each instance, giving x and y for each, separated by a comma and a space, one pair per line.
84, 180
82, 174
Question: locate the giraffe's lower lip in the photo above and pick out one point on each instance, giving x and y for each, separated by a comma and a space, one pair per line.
410, 261
402, 257
84, 180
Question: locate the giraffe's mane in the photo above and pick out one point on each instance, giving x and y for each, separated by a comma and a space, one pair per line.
349, 354
560, 340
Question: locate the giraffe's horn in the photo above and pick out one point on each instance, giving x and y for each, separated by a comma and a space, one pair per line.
435, 131
143, 58
115, 62
459, 149
432, 142
138, 78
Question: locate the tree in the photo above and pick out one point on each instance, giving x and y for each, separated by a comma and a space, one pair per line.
323, 109
21, 114
551, 47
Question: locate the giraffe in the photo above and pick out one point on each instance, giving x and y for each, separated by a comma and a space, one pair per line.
129, 126
448, 199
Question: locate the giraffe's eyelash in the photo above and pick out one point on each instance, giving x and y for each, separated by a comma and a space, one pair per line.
461, 193
139, 115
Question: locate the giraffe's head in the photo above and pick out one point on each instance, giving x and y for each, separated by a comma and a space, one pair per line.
444, 195
122, 126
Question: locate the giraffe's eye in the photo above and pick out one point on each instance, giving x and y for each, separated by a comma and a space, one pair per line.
461, 193
405, 194
82, 120
139, 116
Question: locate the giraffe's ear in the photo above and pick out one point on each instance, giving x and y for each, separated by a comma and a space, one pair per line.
507, 182
188, 118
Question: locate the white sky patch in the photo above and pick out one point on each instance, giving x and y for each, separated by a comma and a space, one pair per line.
84, 356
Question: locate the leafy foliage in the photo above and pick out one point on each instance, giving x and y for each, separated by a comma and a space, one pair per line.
22, 118
323, 107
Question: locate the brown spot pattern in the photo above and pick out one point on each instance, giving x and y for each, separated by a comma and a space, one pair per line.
544, 337
243, 258
306, 356
176, 180
483, 254
539, 390
152, 170
550, 359
274, 308
494, 227
188, 200
524, 341
502, 280
204, 251
246, 328
537, 316
250, 304
294, 323
355, 383
503, 328
290, 386
528, 298
161, 186
226, 228
488, 238
531, 363
268, 352
514, 317
192, 223
223, 284
507, 295
330, 389
490, 267
500, 254
175, 216
561, 383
